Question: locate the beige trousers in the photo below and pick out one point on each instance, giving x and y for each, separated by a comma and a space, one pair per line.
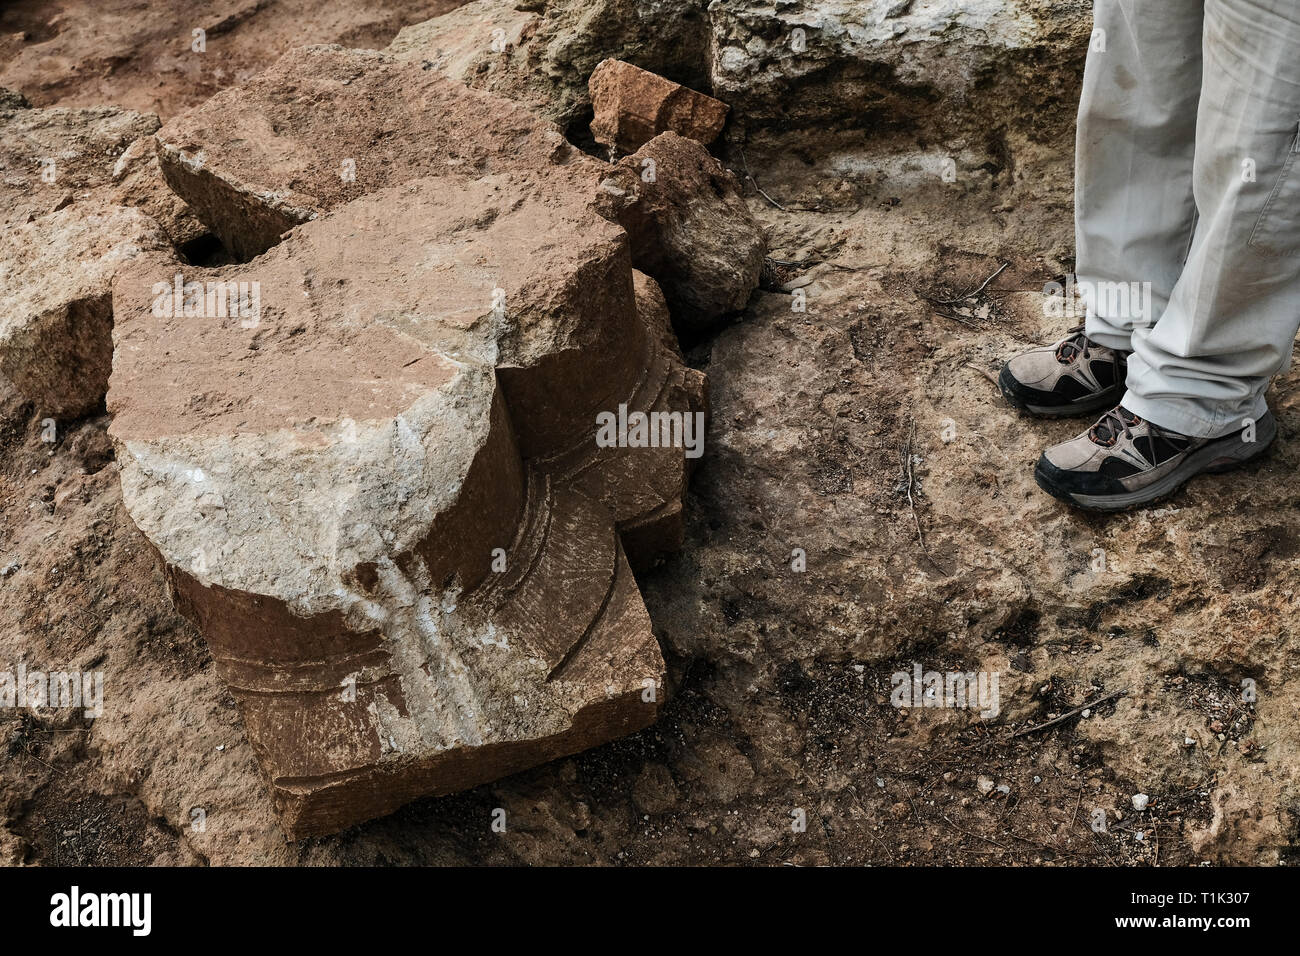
1187, 202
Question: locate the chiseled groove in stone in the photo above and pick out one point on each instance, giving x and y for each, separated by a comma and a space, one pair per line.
584, 454
583, 446
573, 518
260, 677
526, 550
581, 643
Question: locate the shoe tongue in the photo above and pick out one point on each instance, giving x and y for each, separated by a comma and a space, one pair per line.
1106, 430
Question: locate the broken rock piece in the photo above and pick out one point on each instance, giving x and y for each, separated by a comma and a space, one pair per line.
689, 227
632, 106
373, 477
52, 158
47, 156
55, 301
71, 182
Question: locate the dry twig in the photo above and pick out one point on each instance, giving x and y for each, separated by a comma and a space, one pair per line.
750, 177
1068, 714
985, 372
970, 295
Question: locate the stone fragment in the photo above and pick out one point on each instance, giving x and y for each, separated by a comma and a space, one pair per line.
65, 176
642, 487
51, 158
654, 790
379, 494
55, 301
689, 227
632, 106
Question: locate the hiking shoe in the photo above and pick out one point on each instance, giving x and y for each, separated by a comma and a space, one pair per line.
1124, 461
1076, 376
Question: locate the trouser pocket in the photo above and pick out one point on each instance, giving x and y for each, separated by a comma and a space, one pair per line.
1277, 231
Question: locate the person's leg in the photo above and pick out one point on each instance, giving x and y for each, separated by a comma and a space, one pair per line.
1133, 200
1231, 320
1133, 205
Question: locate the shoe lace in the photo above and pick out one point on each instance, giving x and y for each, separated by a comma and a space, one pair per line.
1116, 421
1074, 345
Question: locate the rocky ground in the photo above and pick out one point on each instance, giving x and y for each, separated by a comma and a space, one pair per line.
854, 423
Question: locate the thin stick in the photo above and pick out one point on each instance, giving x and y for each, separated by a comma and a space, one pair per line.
985, 372
956, 318
970, 833
1069, 714
866, 828
969, 295
755, 181
909, 480
40, 761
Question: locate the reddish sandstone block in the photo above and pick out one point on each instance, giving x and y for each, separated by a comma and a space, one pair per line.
633, 106
380, 498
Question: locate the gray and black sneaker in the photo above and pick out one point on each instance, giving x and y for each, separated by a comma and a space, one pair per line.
1076, 376
1123, 461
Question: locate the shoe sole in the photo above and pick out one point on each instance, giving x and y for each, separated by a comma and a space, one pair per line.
1100, 402
1212, 459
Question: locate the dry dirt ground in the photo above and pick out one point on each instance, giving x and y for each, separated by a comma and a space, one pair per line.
864, 431
136, 54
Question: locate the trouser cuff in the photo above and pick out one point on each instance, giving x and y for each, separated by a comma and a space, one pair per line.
1188, 417
1111, 336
